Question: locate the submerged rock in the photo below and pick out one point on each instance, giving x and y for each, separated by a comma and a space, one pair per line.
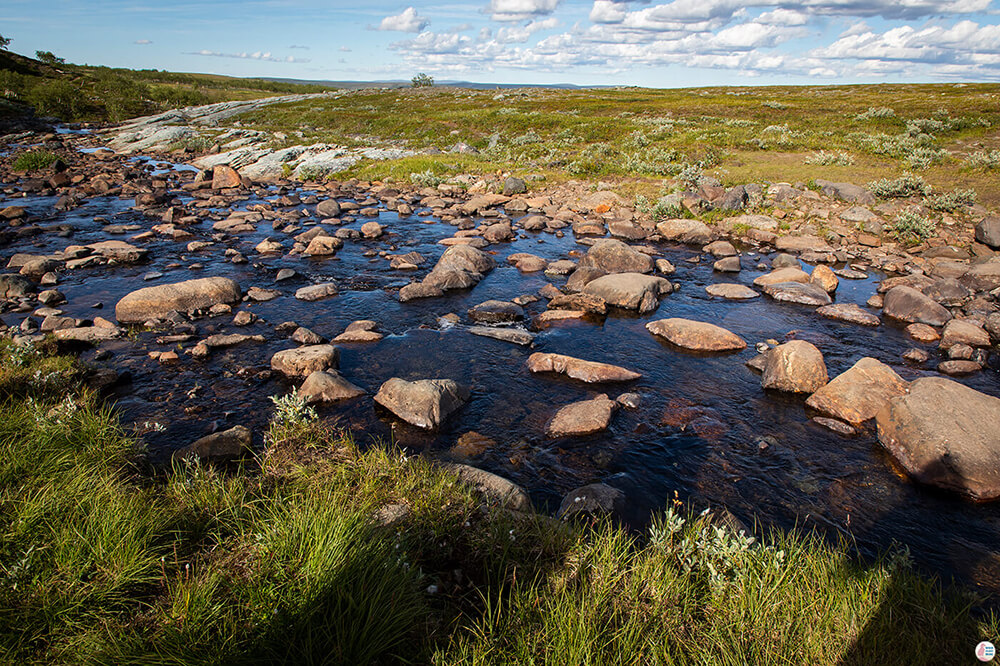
582, 418
593, 500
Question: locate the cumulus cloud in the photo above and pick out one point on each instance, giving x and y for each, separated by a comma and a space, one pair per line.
520, 10
408, 21
256, 55
520, 34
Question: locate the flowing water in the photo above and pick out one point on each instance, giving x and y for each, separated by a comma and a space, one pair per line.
695, 436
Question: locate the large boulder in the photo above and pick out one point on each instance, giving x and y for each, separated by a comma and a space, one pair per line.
591, 372
614, 256
303, 361
983, 277
328, 208
857, 394
15, 286
988, 231
796, 292
795, 367
696, 335
582, 418
224, 176
465, 258
425, 403
632, 291
909, 305
156, 302
945, 434
962, 332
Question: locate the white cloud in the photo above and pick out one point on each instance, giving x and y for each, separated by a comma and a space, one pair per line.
784, 17
408, 21
520, 34
143, 42
520, 10
256, 55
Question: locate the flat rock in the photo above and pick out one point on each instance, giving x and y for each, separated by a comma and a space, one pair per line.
316, 292
796, 292
795, 367
696, 335
691, 232
907, 304
591, 372
303, 361
582, 418
328, 386
614, 256
945, 434
632, 291
418, 290
784, 274
731, 291
960, 331
958, 367
514, 335
362, 330
496, 312
849, 312
858, 394
157, 302
425, 403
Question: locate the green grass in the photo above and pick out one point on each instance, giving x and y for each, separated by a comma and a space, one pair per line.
104, 560
33, 160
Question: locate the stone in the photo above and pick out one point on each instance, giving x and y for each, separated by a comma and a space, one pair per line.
797, 292
496, 312
849, 312
585, 302
304, 361
371, 230
316, 292
362, 330
720, 249
696, 335
304, 336
472, 444
731, 291
614, 256
595, 500
591, 372
949, 292
323, 246
582, 418
328, 208
795, 367
157, 302
425, 403
800, 244
846, 192
119, 251
261, 295
909, 305
922, 333
583, 276
983, 277
230, 340
988, 231
916, 355
728, 265
960, 331
418, 290
858, 394
15, 286
945, 434
784, 274
632, 291
224, 177
824, 278
223, 445
692, 232
959, 367
514, 335
499, 233
497, 488
328, 386
514, 185
465, 258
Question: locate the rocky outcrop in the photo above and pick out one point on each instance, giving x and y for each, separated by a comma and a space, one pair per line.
696, 335
159, 301
945, 434
425, 403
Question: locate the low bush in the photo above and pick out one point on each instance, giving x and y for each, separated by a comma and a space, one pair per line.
33, 160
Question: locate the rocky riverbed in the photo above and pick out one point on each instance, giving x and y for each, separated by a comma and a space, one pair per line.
798, 366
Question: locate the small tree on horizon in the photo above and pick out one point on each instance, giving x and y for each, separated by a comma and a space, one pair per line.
4, 41
422, 81
49, 58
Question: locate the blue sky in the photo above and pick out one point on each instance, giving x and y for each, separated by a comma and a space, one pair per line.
660, 43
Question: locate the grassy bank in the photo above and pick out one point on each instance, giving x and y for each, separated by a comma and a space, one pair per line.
948, 133
290, 558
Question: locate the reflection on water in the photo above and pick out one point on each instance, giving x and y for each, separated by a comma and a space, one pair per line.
704, 429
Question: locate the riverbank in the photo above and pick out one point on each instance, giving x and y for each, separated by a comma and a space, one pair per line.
315, 551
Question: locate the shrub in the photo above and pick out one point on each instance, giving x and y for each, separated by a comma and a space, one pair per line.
34, 160
826, 159
426, 179
876, 113
951, 201
982, 160
911, 227
422, 81
906, 185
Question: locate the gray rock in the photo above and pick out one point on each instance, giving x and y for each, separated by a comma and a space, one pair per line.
304, 361
514, 186
988, 231
846, 192
797, 292
514, 335
592, 501
495, 487
157, 302
614, 256
907, 304
496, 312
425, 403
796, 367
228, 444
632, 291
328, 386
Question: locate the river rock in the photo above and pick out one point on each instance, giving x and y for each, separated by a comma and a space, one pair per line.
323, 246
988, 231
224, 177
632, 291
594, 501
691, 232
316, 292
425, 403
728, 265
797, 292
983, 277
15, 286
858, 394
223, 445
614, 256
945, 434
849, 312
909, 305
496, 312
362, 330
696, 335
497, 488
591, 372
328, 208
582, 418
514, 335
157, 302
960, 331
328, 386
731, 291
304, 361
958, 367
418, 290
796, 367
784, 274
824, 278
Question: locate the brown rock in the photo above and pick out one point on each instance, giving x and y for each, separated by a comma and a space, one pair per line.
582, 418
304, 361
859, 393
907, 304
225, 177
588, 371
156, 302
424, 403
696, 335
796, 367
850, 313
328, 386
